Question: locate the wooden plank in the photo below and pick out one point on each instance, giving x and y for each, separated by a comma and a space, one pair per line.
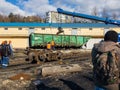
54, 70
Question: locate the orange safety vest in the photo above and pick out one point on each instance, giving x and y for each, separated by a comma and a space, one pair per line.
52, 43
48, 46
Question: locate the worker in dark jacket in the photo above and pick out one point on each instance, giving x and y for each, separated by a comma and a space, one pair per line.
109, 43
0, 54
5, 53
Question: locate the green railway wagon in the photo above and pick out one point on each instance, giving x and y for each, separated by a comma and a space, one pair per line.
65, 40
73, 41
58, 40
41, 40
47, 38
36, 40
79, 40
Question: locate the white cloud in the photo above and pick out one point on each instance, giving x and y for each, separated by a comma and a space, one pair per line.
86, 6
6, 8
39, 7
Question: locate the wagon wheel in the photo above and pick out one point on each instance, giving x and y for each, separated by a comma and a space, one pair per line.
31, 57
42, 58
59, 55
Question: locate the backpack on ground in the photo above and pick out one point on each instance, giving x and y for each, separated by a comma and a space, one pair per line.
105, 68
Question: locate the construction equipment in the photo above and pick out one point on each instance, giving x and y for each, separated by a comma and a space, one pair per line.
105, 20
101, 19
60, 30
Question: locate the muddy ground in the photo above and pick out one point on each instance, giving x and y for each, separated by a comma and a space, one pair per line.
30, 78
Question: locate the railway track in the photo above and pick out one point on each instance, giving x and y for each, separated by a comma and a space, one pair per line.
28, 66
50, 55
19, 63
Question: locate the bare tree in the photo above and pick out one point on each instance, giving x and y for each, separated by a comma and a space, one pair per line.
114, 16
105, 13
1, 18
6, 19
18, 18
95, 11
11, 17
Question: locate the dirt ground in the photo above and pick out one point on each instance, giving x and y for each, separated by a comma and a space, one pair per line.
28, 79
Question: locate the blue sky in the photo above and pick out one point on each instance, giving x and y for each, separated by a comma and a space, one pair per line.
40, 7
12, 1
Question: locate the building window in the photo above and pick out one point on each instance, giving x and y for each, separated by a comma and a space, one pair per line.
43, 28
74, 31
90, 28
74, 28
19, 28
5, 28
31, 27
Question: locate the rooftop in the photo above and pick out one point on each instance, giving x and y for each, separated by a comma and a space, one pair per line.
55, 25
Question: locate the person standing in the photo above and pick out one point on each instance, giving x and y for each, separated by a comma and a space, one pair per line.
48, 46
53, 45
5, 53
107, 45
0, 53
11, 47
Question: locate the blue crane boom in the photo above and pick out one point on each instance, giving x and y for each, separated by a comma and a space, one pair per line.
74, 14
